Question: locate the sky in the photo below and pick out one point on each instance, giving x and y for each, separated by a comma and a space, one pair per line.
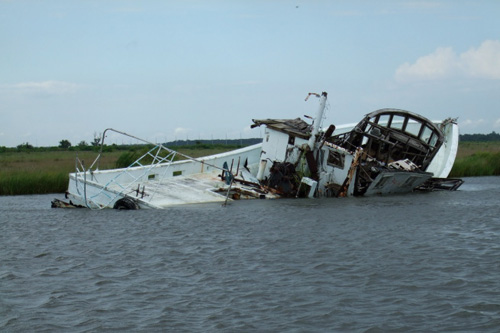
177, 70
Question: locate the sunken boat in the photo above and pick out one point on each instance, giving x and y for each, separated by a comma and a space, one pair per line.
389, 151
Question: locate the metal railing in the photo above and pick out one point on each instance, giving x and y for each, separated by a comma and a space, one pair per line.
113, 189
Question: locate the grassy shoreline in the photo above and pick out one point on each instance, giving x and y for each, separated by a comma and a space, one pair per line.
477, 159
47, 171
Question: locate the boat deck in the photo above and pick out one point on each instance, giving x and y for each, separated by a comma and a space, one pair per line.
180, 190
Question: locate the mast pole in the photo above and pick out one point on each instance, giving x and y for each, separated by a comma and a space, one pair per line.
318, 119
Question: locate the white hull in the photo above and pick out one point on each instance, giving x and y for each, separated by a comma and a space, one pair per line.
163, 185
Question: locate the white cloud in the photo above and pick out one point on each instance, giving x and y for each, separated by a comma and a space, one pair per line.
247, 129
45, 87
483, 62
497, 123
435, 65
471, 123
181, 131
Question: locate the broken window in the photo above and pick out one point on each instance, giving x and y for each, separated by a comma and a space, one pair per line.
397, 122
433, 140
426, 134
336, 159
413, 127
383, 120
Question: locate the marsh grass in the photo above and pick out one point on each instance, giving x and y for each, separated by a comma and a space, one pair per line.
477, 159
466, 149
17, 183
478, 164
42, 172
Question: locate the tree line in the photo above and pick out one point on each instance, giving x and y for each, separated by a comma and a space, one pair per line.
480, 137
96, 145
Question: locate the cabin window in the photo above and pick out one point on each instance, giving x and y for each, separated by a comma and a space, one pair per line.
291, 140
413, 127
426, 134
151, 177
433, 140
177, 173
383, 120
336, 159
397, 122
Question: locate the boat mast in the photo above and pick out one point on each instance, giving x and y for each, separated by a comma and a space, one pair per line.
316, 126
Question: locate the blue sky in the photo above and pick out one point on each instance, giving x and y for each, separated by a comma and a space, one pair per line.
165, 70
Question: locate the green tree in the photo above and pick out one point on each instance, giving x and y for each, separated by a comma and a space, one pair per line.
65, 144
97, 140
24, 146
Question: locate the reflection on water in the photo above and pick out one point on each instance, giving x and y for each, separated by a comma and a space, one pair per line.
421, 262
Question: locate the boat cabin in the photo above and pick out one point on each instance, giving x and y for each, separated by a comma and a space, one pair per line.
389, 135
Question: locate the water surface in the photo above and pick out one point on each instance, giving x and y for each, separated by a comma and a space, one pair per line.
419, 262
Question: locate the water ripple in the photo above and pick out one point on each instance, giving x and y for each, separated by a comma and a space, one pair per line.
410, 263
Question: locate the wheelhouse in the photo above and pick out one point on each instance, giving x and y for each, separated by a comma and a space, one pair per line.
390, 135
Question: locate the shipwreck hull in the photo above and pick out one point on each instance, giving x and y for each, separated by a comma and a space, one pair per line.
389, 151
